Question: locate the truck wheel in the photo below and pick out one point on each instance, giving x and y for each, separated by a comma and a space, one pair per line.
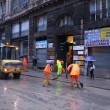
16, 75
3, 75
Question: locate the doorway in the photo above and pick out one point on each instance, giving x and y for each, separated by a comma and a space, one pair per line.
70, 52
62, 55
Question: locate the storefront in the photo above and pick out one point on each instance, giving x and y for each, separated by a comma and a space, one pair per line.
98, 44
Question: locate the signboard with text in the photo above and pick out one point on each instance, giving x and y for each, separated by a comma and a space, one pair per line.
41, 44
98, 37
78, 47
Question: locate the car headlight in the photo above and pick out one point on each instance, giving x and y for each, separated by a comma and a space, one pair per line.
5, 70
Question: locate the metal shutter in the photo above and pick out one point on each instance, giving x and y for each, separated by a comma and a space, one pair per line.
41, 55
102, 63
102, 55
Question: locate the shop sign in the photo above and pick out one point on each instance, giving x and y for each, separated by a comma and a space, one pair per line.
79, 47
80, 57
75, 57
50, 45
105, 33
80, 52
52, 57
101, 42
49, 61
98, 37
41, 44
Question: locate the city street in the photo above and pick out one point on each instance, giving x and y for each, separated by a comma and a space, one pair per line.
57, 40
27, 93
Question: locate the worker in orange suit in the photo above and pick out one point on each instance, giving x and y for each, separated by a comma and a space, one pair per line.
47, 72
25, 63
74, 70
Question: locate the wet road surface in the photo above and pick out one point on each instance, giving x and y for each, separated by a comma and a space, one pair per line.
27, 93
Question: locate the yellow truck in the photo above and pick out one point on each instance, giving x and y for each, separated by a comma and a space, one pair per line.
9, 63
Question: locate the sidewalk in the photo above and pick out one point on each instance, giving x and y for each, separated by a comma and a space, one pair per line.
97, 82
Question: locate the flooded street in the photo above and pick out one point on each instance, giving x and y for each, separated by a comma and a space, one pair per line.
28, 93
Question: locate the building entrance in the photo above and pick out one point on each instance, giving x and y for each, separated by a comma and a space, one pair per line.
67, 57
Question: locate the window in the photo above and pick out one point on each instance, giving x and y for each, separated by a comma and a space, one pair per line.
25, 3
15, 5
66, 20
3, 9
95, 10
108, 8
15, 31
42, 23
24, 28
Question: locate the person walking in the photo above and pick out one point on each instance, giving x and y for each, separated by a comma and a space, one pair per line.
25, 63
35, 64
47, 72
59, 68
74, 70
92, 68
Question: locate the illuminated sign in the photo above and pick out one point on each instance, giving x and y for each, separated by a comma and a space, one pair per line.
41, 44
79, 47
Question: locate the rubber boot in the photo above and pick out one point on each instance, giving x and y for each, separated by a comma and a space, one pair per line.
49, 82
77, 85
45, 83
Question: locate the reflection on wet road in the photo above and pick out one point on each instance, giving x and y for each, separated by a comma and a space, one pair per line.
28, 93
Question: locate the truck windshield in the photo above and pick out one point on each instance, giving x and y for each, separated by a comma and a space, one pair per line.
9, 53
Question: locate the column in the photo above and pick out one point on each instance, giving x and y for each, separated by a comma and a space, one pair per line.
8, 8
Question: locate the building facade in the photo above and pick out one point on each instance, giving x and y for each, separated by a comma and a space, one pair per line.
38, 27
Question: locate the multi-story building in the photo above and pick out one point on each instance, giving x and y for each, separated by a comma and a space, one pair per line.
97, 34
38, 27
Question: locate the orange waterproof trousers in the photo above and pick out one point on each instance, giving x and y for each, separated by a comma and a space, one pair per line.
74, 77
47, 76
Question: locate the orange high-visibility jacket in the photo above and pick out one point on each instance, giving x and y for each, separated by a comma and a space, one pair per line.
75, 69
25, 61
47, 69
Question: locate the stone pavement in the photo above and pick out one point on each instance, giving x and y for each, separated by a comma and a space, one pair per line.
97, 82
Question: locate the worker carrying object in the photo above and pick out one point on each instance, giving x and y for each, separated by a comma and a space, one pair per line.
47, 72
74, 70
